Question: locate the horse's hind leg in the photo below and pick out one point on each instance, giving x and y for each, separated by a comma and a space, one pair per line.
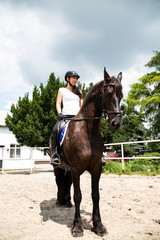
77, 230
64, 182
60, 186
98, 227
67, 189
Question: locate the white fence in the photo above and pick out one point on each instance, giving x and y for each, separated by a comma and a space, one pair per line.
25, 157
122, 150
22, 157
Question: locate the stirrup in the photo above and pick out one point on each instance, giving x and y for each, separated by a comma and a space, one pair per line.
55, 160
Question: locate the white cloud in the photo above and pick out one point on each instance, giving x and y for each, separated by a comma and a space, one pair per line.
136, 71
25, 46
40, 37
8, 105
25, 42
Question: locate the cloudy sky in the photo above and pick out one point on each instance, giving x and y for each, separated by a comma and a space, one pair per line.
38, 37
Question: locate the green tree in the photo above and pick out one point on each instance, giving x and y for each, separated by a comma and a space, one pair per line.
32, 120
84, 89
132, 129
145, 95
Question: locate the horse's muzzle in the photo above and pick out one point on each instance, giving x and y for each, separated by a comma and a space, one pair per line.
115, 123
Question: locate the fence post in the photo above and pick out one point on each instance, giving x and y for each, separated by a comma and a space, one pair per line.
31, 158
122, 151
2, 160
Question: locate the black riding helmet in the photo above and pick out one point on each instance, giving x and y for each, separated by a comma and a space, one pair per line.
71, 74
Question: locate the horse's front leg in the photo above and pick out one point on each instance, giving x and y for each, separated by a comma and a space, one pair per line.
98, 227
77, 229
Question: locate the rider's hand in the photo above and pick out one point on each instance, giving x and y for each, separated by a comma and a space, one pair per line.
62, 116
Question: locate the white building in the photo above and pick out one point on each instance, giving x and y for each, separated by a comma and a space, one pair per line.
11, 153
7, 138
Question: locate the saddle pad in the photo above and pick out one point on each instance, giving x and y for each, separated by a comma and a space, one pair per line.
63, 133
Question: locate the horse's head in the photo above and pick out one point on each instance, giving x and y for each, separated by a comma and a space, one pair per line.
111, 97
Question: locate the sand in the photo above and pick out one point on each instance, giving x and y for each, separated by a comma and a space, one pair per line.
129, 205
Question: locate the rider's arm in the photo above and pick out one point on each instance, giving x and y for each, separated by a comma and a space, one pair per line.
81, 102
58, 102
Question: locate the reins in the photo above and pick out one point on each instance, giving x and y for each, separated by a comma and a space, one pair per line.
83, 119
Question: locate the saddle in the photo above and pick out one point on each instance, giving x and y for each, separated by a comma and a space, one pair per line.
60, 129
60, 125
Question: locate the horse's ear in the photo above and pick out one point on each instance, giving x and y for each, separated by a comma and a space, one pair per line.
106, 75
119, 77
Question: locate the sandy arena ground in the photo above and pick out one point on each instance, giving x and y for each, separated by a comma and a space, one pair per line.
130, 207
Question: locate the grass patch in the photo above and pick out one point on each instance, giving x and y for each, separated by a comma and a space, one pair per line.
149, 167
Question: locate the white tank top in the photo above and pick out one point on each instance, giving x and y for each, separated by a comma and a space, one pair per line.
70, 101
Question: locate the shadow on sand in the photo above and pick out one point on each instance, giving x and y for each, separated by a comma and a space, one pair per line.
62, 215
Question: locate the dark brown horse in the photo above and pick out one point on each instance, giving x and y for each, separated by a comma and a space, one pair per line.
83, 147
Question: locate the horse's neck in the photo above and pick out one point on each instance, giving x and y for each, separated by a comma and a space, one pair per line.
92, 107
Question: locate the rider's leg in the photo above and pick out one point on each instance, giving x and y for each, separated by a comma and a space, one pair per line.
55, 159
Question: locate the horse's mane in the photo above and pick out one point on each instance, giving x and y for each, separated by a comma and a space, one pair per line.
93, 91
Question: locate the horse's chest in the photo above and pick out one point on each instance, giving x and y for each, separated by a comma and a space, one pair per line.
83, 137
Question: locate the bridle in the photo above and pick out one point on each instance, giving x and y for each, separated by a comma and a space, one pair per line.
104, 105
105, 112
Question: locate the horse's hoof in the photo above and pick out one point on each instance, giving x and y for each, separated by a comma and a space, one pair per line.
77, 231
58, 203
68, 205
100, 230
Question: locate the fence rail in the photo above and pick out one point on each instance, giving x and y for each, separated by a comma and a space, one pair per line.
26, 158
30, 155
122, 150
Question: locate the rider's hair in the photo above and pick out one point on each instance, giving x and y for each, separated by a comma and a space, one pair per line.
77, 91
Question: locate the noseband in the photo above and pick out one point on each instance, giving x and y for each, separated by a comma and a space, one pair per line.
104, 105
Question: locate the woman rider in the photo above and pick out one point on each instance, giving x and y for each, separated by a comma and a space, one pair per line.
72, 99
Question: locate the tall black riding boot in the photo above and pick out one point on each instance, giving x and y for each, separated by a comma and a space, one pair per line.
55, 159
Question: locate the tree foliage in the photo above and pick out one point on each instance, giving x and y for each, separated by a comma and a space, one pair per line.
32, 120
132, 129
145, 96
155, 61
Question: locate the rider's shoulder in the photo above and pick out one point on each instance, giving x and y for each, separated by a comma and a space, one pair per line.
62, 89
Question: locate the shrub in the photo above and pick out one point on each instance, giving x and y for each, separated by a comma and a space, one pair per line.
113, 167
154, 162
138, 166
